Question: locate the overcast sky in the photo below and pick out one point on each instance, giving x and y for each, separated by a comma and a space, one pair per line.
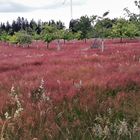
58, 10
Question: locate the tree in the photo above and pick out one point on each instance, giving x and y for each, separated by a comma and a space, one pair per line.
13, 39
8, 27
137, 3
132, 30
101, 27
48, 38
74, 25
4, 36
48, 34
58, 34
124, 29
67, 35
132, 16
119, 29
23, 38
82, 25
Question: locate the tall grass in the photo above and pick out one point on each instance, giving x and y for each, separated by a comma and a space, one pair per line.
73, 94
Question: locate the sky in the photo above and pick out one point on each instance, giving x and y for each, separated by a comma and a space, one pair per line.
46, 10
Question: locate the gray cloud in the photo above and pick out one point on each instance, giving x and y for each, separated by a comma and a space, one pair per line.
11, 6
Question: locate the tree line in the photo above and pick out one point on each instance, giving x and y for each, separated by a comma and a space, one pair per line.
24, 31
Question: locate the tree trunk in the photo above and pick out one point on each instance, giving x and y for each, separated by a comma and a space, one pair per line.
121, 39
85, 40
102, 45
47, 45
64, 41
58, 45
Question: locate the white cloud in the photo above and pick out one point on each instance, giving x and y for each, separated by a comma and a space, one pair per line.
33, 5
55, 9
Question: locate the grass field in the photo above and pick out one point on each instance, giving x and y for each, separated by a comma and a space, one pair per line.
77, 93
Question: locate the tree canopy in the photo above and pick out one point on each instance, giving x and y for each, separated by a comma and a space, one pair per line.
23, 31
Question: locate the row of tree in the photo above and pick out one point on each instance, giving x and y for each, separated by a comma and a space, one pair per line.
23, 31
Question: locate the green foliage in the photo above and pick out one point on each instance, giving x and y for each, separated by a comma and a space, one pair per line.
23, 38
102, 26
67, 35
58, 34
105, 14
48, 38
48, 34
124, 28
132, 30
4, 37
13, 39
48, 30
83, 25
37, 37
78, 35
119, 29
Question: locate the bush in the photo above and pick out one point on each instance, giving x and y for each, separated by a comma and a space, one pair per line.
13, 39
48, 38
23, 38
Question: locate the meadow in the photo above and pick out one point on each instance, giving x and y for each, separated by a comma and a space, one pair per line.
77, 93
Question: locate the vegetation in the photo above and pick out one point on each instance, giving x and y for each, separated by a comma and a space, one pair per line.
77, 93
82, 28
69, 91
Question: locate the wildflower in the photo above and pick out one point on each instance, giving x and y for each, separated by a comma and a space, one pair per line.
135, 128
123, 128
17, 112
12, 93
78, 85
97, 130
7, 116
106, 131
17, 101
42, 84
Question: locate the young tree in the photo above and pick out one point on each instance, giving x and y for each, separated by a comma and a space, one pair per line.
22, 38
48, 38
47, 34
67, 35
58, 34
100, 28
124, 29
83, 25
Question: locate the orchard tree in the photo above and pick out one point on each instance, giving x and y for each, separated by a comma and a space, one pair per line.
84, 26
132, 30
58, 35
124, 29
23, 39
119, 29
67, 35
101, 28
13, 39
78, 35
74, 25
4, 37
48, 34
48, 38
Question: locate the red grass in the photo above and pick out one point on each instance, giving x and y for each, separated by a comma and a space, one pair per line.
113, 73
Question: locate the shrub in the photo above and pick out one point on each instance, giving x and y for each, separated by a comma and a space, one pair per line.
23, 38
